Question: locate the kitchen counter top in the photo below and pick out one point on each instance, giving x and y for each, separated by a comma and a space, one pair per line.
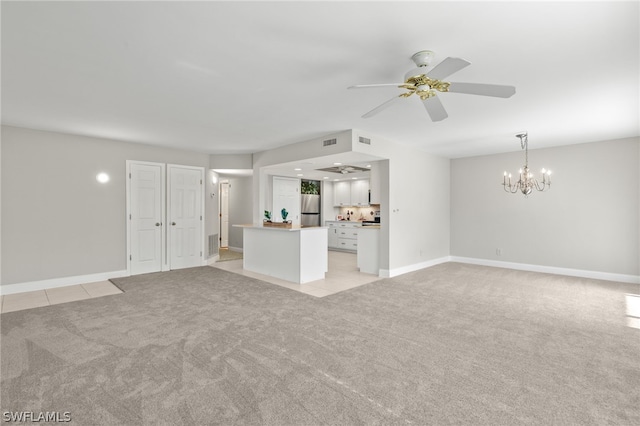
274, 228
354, 222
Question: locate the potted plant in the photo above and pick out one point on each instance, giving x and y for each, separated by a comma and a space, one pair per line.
310, 187
267, 216
284, 213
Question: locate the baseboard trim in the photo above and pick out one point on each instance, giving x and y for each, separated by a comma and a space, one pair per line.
60, 282
236, 249
213, 259
390, 273
606, 276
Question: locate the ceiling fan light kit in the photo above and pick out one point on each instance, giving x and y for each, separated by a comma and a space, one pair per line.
425, 84
526, 183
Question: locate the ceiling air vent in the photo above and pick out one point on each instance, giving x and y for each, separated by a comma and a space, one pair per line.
365, 141
329, 142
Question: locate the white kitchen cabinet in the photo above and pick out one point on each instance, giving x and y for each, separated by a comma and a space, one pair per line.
351, 193
342, 193
360, 192
346, 235
333, 235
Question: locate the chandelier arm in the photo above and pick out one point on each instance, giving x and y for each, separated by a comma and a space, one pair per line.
542, 186
509, 188
514, 188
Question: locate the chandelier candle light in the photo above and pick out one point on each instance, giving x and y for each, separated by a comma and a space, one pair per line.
527, 182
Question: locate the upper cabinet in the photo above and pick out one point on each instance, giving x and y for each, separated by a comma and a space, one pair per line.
342, 193
351, 193
360, 192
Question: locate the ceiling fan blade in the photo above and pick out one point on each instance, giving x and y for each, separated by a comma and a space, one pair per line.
483, 89
435, 108
447, 67
368, 86
379, 108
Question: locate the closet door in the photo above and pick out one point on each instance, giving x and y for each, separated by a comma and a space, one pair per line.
186, 230
146, 216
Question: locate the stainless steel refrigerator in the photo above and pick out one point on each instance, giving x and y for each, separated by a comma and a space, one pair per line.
310, 210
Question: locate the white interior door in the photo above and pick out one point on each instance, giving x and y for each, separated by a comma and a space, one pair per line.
146, 212
286, 194
186, 233
224, 214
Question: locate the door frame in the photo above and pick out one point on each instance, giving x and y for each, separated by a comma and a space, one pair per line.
163, 215
202, 216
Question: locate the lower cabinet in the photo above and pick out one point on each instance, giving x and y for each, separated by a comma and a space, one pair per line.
333, 237
343, 235
348, 238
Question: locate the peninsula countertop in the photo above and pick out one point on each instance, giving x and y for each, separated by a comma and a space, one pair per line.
293, 254
276, 228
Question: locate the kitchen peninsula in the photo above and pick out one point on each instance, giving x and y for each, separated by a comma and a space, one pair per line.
293, 254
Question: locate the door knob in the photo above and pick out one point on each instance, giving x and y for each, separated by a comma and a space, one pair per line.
157, 223
173, 224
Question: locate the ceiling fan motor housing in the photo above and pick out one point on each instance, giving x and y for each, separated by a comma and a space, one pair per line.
423, 58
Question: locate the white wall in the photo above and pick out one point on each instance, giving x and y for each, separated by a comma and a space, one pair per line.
414, 207
231, 161
57, 220
588, 220
329, 212
418, 208
240, 207
0, 210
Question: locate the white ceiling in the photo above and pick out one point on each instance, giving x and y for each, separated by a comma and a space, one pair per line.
238, 77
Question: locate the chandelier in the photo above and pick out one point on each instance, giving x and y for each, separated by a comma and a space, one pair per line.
526, 183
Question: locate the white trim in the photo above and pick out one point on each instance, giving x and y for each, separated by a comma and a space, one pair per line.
606, 276
212, 260
236, 249
388, 273
60, 282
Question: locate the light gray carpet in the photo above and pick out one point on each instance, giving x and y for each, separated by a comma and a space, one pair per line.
452, 344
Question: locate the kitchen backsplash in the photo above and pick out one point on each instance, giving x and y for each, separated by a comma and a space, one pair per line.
357, 213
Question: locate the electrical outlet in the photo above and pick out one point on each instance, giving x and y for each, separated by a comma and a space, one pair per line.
499, 251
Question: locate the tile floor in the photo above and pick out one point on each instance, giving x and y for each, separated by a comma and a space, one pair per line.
54, 296
343, 275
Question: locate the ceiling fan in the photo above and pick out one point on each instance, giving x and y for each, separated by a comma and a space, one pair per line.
425, 82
